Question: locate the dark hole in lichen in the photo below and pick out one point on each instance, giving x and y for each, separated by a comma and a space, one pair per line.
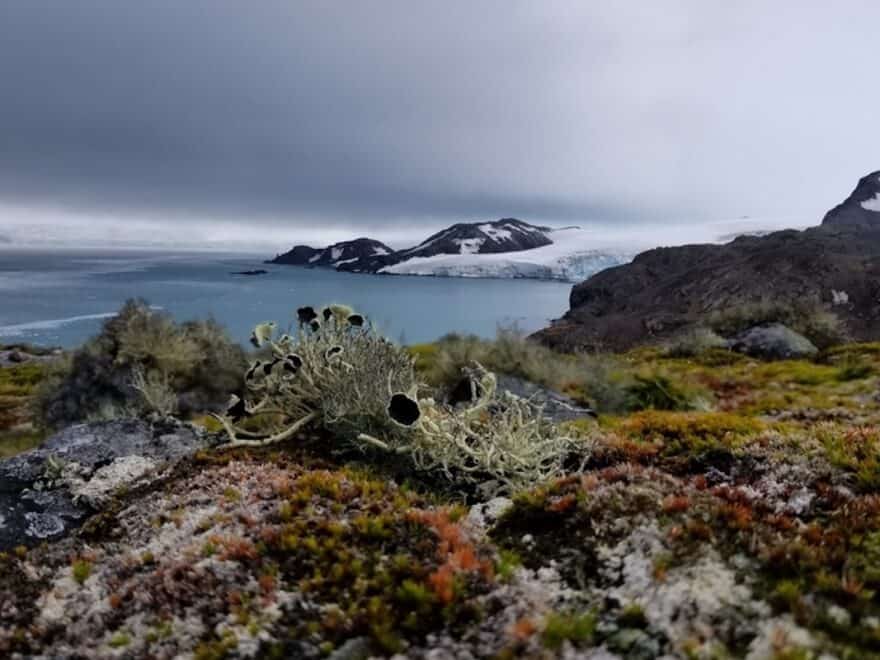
404, 410
292, 363
327, 313
333, 351
315, 325
306, 314
253, 370
467, 390
356, 320
237, 409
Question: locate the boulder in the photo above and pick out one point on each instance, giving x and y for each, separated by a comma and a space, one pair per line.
554, 406
48, 491
773, 341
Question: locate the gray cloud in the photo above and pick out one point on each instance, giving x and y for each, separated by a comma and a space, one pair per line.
383, 114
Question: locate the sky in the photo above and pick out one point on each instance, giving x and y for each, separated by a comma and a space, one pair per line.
285, 121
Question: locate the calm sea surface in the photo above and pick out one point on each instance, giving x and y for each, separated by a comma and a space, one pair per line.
60, 298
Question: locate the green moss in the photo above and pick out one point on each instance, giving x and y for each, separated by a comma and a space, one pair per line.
232, 494
21, 380
854, 449
506, 565
81, 570
12, 443
575, 628
119, 640
658, 392
216, 649
689, 432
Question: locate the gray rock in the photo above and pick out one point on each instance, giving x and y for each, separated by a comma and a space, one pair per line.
357, 648
634, 644
39, 488
483, 516
773, 342
557, 407
13, 356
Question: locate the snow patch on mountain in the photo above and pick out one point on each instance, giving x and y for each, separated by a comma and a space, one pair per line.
872, 204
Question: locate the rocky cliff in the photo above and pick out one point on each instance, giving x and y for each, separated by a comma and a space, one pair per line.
835, 266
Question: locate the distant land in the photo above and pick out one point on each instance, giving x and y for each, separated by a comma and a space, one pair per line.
508, 247
833, 268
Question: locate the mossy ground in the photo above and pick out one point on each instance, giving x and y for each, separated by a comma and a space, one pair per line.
18, 386
745, 523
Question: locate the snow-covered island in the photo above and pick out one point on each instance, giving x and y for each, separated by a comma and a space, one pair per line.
506, 248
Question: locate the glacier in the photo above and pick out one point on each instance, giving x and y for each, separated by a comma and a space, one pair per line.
567, 259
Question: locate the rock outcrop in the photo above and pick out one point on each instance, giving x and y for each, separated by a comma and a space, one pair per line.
48, 491
861, 209
666, 290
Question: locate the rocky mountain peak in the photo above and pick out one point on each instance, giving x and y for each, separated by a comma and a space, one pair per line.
861, 209
504, 235
335, 255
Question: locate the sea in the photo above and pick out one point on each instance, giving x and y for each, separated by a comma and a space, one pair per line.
61, 297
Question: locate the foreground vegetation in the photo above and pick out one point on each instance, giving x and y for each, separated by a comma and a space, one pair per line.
720, 506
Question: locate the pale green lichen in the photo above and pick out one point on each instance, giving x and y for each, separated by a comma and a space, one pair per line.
338, 373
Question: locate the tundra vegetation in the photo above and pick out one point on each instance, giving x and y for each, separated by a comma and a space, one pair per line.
720, 506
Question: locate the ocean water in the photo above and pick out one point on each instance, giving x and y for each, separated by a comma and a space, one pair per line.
60, 298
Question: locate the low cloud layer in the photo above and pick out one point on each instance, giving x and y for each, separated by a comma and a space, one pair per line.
392, 118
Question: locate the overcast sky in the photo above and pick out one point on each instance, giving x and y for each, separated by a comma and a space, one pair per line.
286, 120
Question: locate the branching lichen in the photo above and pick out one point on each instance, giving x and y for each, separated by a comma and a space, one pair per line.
339, 374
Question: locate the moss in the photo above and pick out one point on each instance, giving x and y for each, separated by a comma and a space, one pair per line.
568, 627
659, 392
216, 649
20, 593
506, 565
12, 443
632, 616
21, 380
81, 569
383, 566
689, 432
120, 640
854, 449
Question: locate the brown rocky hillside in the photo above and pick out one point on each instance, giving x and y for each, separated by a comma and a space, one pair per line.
835, 266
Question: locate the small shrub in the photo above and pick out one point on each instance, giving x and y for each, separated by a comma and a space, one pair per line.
142, 361
693, 342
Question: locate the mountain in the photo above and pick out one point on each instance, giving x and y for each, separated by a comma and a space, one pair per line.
861, 209
335, 255
663, 291
505, 235
503, 248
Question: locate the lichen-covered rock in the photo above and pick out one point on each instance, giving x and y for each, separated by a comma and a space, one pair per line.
46, 492
773, 342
